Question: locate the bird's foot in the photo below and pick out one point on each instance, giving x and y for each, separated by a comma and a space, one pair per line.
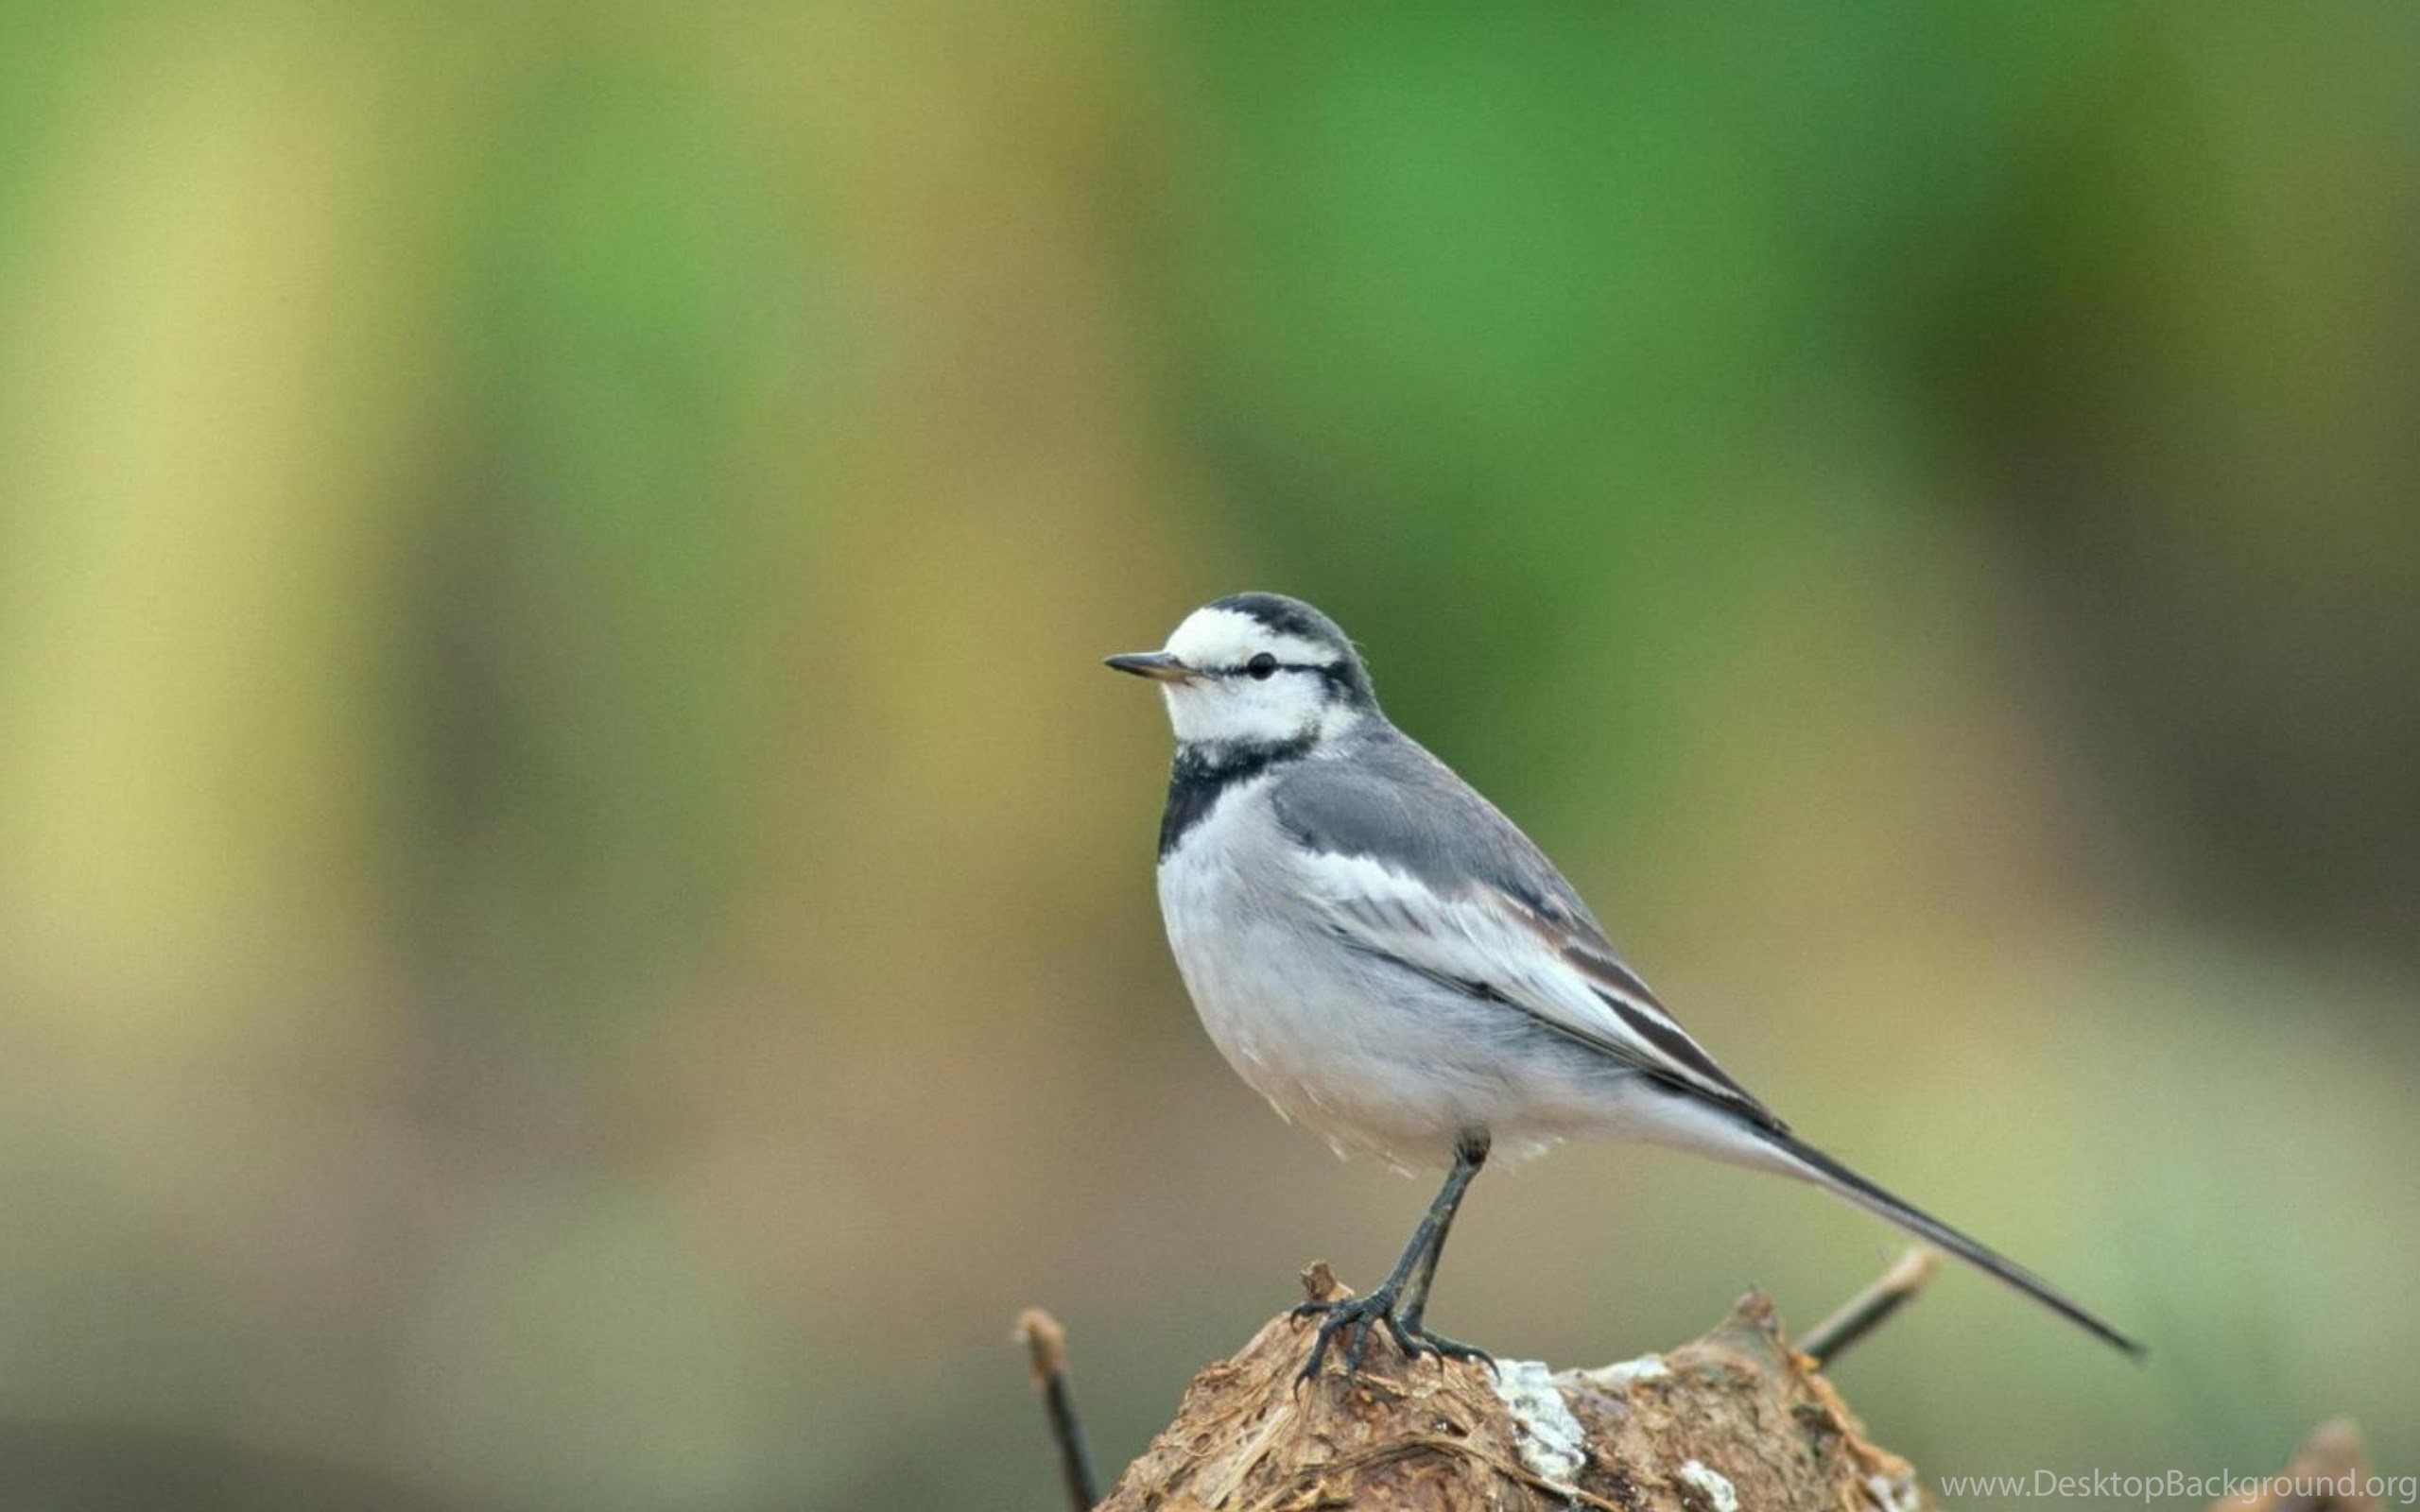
1355, 1316
1352, 1316
1416, 1341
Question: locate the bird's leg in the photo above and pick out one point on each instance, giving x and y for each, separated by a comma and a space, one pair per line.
1405, 1322
1467, 1157
1401, 1298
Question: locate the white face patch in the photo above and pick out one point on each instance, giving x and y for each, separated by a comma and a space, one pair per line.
1215, 638
1225, 703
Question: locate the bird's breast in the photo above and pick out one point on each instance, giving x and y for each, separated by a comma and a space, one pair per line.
1237, 935
1294, 1012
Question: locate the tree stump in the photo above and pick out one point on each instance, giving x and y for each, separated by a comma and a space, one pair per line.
1735, 1420
1739, 1420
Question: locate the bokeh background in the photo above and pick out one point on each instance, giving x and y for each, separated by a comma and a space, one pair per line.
575, 924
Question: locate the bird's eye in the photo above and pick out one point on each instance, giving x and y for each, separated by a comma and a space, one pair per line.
1262, 668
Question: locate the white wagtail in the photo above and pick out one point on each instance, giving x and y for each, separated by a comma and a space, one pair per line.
1384, 957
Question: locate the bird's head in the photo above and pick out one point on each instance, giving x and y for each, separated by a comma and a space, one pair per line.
1256, 669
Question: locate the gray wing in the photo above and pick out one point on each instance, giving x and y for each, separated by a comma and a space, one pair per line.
1410, 863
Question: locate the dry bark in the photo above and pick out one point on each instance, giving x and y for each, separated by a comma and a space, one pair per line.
2330, 1473
1736, 1420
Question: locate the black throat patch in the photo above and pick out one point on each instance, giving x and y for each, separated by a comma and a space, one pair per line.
1204, 773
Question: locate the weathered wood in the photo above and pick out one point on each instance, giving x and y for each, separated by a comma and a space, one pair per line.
1736, 1420
2330, 1473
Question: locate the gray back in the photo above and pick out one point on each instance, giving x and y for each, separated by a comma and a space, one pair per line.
1381, 795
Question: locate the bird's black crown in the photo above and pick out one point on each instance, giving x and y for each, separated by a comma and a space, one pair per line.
1282, 616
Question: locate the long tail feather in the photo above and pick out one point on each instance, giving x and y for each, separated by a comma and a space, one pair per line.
1830, 1174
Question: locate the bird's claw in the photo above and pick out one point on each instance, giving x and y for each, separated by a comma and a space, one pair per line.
1357, 1315
1416, 1341
1350, 1315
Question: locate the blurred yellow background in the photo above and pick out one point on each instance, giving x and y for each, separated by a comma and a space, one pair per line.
576, 913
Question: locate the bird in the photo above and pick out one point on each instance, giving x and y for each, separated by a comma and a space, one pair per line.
1392, 963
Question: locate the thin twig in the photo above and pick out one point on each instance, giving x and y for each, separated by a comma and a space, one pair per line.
1046, 1347
1862, 1313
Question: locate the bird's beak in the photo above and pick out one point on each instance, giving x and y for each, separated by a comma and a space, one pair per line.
1157, 665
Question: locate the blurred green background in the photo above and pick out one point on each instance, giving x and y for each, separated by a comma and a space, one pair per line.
576, 923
